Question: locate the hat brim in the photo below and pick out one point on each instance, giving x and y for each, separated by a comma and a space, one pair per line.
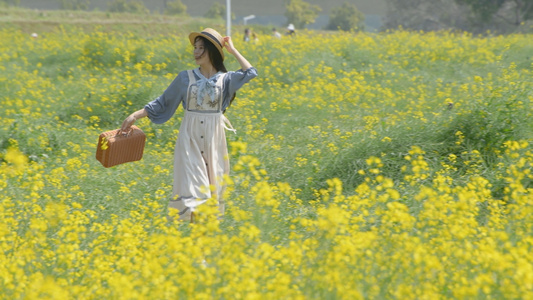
209, 37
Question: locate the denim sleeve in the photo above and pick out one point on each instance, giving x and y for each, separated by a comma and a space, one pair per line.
234, 80
162, 108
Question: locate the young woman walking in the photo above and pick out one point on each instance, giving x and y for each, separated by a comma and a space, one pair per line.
200, 156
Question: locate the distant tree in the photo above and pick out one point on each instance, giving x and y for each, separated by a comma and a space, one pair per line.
175, 7
131, 6
346, 17
216, 11
301, 13
472, 15
513, 12
74, 4
425, 15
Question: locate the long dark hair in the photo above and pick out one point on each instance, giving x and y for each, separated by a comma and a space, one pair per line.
216, 59
214, 55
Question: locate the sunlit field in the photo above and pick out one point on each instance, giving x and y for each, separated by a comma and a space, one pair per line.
365, 166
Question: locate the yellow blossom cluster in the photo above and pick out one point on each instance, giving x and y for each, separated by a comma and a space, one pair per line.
365, 166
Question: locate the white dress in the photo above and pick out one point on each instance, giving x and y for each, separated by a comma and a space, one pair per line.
201, 156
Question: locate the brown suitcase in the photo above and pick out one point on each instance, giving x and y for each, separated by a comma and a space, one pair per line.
116, 147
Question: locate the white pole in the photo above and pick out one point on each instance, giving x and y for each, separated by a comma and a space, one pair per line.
228, 17
245, 19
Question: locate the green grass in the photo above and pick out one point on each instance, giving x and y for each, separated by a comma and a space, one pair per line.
420, 78
325, 106
44, 21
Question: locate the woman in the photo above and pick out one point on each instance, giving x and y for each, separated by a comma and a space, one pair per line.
201, 155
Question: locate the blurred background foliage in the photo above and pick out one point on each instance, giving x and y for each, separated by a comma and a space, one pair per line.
476, 16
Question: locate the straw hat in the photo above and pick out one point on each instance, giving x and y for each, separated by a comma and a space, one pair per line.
211, 35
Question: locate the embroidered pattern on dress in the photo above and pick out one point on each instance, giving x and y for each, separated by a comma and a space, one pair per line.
213, 104
194, 93
206, 104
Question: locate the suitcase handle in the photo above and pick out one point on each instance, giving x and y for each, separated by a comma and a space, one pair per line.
124, 133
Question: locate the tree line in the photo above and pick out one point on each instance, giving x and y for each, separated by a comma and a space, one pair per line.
476, 16
425, 15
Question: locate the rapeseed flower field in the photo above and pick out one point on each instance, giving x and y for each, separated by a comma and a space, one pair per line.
365, 166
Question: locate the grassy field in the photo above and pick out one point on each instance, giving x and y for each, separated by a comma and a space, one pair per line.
44, 21
365, 166
239, 7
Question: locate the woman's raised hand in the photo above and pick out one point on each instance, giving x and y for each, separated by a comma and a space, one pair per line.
228, 44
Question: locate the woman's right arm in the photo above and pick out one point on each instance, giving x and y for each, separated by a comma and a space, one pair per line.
228, 44
163, 107
130, 120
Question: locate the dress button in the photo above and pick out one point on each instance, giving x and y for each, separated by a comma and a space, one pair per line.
202, 137
202, 122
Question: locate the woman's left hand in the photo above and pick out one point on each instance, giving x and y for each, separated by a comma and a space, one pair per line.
228, 44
